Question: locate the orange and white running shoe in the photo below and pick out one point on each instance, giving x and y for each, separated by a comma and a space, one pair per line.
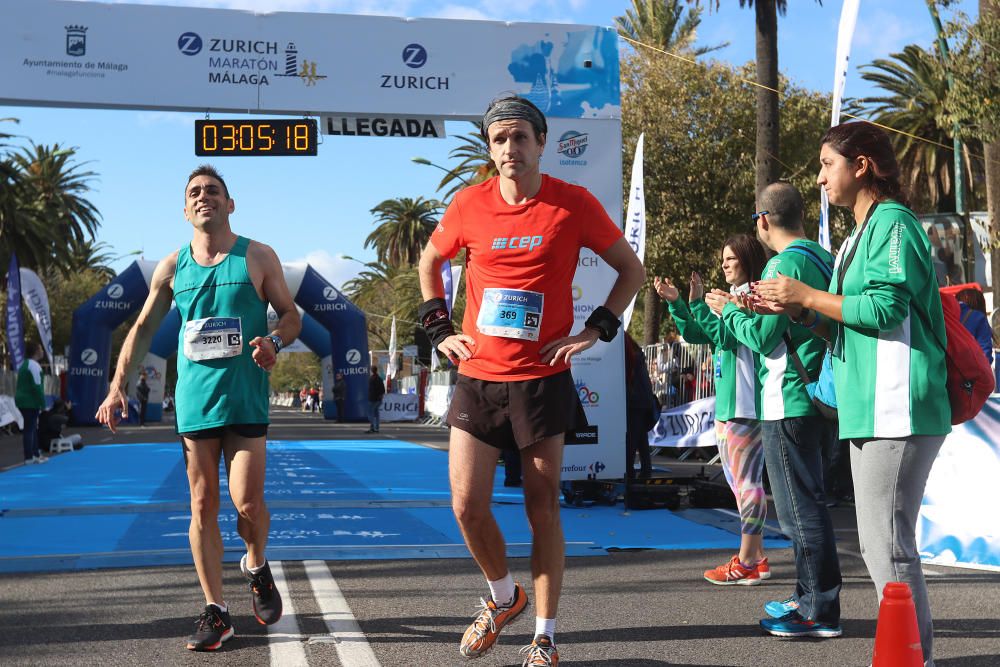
763, 569
732, 573
541, 652
485, 629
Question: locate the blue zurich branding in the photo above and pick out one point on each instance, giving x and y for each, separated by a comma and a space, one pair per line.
414, 55
189, 43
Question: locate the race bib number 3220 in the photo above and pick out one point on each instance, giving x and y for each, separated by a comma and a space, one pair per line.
511, 313
213, 338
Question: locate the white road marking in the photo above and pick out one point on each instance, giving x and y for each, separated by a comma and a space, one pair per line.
352, 646
284, 639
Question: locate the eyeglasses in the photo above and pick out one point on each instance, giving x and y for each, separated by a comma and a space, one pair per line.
755, 216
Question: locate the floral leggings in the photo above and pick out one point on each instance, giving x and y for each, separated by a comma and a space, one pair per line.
742, 452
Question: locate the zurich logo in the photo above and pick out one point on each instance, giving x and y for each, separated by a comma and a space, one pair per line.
330, 293
353, 356
189, 43
414, 55
115, 291
88, 357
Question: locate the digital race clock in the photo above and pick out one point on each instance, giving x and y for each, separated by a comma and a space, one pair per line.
255, 137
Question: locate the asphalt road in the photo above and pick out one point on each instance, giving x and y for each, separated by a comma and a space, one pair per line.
625, 608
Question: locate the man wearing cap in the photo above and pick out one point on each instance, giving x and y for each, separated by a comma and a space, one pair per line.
522, 231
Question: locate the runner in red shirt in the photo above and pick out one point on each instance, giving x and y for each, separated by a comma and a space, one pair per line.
522, 231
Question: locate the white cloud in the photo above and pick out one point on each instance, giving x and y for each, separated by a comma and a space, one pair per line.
337, 269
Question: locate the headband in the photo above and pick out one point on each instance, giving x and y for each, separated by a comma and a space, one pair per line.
514, 109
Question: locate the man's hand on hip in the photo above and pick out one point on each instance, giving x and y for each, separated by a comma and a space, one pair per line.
563, 349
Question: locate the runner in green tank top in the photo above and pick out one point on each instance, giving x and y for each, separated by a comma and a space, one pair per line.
222, 284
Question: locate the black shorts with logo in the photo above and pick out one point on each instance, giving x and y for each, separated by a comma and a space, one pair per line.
520, 412
242, 430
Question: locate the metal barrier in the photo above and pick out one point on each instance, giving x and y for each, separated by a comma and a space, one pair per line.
680, 372
8, 384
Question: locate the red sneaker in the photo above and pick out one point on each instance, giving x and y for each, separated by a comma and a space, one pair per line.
732, 573
763, 569
485, 629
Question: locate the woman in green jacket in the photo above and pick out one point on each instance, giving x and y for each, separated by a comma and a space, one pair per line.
737, 403
883, 318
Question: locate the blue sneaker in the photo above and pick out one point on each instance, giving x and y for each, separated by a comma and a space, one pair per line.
794, 625
780, 608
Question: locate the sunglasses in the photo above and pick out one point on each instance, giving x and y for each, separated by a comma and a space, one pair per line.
755, 216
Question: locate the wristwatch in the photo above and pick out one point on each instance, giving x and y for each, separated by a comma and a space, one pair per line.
276, 341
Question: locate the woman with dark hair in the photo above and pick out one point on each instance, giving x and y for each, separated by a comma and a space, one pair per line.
884, 319
972, 305
737, 403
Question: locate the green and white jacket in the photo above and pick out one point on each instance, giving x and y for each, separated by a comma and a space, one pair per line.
888, 364
784, 394
736, 367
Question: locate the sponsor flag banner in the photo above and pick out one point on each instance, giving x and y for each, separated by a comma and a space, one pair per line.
37, 300
390, 369
635, 220
399, 407
845, 35
446, 281
688, 425
15, 321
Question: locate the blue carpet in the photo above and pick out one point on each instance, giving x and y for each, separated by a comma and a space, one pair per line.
127, 505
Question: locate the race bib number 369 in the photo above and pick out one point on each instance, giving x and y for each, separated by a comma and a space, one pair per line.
213, 338
511, 313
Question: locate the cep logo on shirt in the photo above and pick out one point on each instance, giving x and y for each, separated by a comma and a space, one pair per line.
528, 243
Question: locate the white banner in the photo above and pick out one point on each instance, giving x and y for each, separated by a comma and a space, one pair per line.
635, 220
957, 523
390, 370
384, 126
9, 414
438, 399
61, 53
35, 297
399, 407
845, 35
155, 367
688, 425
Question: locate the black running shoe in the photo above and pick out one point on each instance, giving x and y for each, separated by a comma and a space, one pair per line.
213, 627
266, 599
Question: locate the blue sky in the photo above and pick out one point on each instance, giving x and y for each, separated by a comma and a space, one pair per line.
317, 208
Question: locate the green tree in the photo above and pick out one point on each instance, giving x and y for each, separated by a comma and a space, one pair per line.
661, 23
474, 166
404, 226
916, 87
296, 370
699, 177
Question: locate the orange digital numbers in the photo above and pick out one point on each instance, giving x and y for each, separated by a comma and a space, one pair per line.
256, 137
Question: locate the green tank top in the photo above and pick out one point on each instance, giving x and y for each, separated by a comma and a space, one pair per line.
220, 314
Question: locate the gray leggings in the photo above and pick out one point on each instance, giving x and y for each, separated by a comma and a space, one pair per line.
889, 480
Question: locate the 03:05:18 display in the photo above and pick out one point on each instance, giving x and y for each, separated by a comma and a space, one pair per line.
254, 137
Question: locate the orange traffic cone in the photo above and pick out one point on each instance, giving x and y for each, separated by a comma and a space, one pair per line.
897, 640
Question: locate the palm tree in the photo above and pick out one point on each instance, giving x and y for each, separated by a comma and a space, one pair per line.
54, 214
89, 255
658, 23
475, 164
404, 226
917, 89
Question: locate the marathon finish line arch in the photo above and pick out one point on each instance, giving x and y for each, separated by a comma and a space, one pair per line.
75, 54
332, 327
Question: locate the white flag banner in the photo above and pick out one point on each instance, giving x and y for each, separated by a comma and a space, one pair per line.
390, 370
37, 300
688, 425
456, 276
845, 35
635, 219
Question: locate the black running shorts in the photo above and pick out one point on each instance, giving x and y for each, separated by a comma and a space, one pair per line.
520, 412
242, 430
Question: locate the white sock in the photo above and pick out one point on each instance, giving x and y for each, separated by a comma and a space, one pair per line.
546, 626
251, 570
222, 607
502, 591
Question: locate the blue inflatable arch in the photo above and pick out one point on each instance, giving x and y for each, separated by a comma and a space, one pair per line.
332, 327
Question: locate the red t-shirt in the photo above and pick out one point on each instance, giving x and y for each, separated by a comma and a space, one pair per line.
533, 247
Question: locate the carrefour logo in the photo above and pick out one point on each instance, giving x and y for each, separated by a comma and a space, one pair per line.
353, 356
573, 144
414, 55
189, 43
596, 467
115, 291
88, 357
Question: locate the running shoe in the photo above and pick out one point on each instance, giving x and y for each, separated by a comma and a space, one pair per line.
733, 573
763, 569
213, 627
266, 599
541, 652
780, 608
485, 629
794, 625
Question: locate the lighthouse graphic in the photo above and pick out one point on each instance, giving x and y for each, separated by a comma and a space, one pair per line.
307, 72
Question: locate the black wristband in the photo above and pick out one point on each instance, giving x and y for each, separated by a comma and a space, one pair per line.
434, 318
605, 322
